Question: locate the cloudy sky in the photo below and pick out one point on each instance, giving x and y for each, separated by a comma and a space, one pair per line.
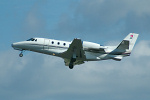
42, 77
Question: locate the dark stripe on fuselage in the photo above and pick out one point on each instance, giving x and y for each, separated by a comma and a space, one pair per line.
49, 46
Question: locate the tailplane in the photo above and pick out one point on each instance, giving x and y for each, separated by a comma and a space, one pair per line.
128, 43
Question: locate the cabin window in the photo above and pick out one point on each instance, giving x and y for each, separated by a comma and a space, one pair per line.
64, 44
52, 42
58, 43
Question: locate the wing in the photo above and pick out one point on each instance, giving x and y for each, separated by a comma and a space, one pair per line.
75, 51
77, 62
100, 50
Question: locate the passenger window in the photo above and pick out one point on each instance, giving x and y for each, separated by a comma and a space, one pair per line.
52, 42
64, 44
58, 43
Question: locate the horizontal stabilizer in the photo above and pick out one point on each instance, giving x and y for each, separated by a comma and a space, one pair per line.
117, 58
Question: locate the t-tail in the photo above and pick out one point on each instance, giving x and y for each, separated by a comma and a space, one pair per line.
126, 46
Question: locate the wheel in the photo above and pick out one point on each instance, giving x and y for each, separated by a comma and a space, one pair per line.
20, 55
71, 66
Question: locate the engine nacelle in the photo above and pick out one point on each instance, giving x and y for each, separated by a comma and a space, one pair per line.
91, 45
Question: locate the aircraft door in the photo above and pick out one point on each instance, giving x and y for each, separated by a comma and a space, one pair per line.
46, 44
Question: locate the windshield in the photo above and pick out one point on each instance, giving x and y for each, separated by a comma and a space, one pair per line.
32, 39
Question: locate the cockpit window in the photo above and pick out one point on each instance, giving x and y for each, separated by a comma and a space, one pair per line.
32, 39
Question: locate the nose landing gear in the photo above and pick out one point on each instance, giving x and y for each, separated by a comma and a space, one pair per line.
21, 54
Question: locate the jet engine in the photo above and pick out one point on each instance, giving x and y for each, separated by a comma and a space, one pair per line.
90, 45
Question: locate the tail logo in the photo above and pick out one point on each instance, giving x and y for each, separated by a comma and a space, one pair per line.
131, 36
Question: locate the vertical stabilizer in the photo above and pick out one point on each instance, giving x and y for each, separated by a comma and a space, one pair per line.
128, 42
132, 37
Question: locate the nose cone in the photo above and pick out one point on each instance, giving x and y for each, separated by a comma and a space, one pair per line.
12, 45
17, 46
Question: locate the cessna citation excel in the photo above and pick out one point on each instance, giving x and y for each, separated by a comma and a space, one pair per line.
77, 51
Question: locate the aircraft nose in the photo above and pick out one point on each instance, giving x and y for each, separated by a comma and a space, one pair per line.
12, 45
16, 45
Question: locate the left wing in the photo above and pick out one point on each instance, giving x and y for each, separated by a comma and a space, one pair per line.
75, 51
77, 62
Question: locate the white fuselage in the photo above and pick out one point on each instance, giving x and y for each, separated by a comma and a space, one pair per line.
77, 51
57, 47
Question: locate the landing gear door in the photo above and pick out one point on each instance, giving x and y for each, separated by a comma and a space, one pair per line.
46, 44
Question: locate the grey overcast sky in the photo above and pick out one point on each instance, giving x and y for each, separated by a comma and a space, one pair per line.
43, 77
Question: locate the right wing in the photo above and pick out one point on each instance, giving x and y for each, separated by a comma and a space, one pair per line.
100, 50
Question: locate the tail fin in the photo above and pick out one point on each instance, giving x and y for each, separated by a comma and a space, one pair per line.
128, 43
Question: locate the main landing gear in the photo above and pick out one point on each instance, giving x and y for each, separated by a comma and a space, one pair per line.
71, 63
21, 54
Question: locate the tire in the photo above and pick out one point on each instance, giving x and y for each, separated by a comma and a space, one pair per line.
20, 55
71, 66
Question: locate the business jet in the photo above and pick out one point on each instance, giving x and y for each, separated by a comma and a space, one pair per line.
77, 51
